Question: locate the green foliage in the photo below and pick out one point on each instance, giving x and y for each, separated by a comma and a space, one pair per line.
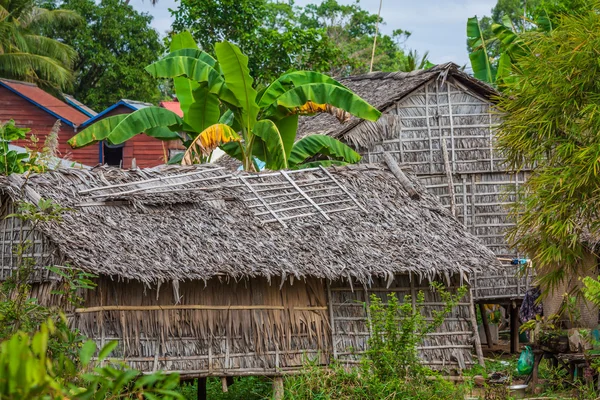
551, 124
495, 42
112, 48
391, 368
11, 161
40, 356
262, 124
399, 327
279, 36
243, 388
26, 54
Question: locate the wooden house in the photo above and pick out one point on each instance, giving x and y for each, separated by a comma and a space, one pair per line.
145, 150
31, 107
209, 273
441, 122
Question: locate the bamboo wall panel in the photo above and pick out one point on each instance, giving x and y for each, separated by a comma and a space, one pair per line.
282, 328
37, 246
437, 112
450, 346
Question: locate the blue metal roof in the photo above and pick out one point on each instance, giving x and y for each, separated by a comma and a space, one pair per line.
131, 104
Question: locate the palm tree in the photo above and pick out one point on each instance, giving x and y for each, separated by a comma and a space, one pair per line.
25, 54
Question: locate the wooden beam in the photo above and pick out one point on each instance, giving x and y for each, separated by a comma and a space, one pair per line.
514, 327
406, 183
278, 388
486, 325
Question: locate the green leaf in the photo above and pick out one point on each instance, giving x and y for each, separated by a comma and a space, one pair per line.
96, 132
290, 80
196, 70
313, 145
276, 157
320, 163
322, 93
204, 111
107, 349
184, 89
87, 351
176, 159
480, 62
162, 133
197, 54
142, 120
288, 128
237, 77
183, 40
233, 150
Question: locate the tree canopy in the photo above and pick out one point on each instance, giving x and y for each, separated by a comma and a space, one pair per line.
278, 37
113, 47
551, 124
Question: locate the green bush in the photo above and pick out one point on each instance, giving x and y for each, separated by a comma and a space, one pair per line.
391, 367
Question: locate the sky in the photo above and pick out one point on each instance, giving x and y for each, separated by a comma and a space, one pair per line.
437, 26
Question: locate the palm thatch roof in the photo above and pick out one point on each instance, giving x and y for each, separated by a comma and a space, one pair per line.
200, 222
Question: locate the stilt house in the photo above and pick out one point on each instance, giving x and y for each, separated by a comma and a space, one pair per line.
441, 122
212, 274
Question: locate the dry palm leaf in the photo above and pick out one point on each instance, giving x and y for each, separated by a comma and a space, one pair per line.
204, 144
310, 108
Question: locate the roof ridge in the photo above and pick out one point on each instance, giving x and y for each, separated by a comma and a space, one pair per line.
19, 82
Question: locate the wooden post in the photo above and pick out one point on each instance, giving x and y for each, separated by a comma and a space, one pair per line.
476, 341
514, 327
202, 389
224, 387
278, 388
486, 325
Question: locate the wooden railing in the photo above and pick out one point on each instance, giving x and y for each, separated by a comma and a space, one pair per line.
510, 283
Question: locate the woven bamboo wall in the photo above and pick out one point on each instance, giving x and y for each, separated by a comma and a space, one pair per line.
451, 346
221, 328
14, 232
483, 187
435, 112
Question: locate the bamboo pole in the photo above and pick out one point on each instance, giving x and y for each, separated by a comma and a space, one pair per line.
476, 341
376, 34
406, 183
178, 307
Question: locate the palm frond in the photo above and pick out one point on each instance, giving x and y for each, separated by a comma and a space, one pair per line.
43, 46
32, 67
42, 18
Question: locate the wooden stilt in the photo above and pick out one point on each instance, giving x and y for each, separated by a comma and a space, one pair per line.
514, 328
230, 380
486, 325
202, 389
278, 388
224, 384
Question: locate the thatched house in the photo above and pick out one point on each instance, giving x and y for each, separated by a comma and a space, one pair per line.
213, 274
440, 121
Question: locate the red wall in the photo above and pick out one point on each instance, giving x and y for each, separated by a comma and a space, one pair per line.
28, 115
147, 151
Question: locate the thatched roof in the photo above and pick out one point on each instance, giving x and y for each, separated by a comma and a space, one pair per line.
178, 223
383, 89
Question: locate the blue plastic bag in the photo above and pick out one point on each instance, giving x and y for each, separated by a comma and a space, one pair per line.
526, 360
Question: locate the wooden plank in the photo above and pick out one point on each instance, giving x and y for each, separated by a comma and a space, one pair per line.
177, 307
428, 128
476, 341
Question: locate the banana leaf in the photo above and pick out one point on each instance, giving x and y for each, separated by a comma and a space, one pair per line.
143, 120
96, 132
183, 40
321, 93
197, 54
290, 80
208, 140
196, 70
275, 155
313, 145
480, 61
204, 110
234, 65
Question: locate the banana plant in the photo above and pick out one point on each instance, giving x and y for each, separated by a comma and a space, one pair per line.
221, 108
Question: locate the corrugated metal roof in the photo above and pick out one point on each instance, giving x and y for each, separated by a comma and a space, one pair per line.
61, 110
80, 106
131, 104
172, 106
